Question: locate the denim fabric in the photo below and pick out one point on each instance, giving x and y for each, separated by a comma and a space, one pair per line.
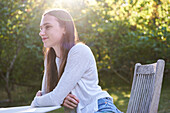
105, 105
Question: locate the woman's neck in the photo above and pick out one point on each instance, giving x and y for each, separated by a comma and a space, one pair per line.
57, 50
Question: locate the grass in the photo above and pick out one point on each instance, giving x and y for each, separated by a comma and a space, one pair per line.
119, 90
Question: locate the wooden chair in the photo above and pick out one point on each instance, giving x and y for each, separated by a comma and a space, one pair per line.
146, 88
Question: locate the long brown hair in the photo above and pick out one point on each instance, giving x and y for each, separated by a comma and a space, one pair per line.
68, 40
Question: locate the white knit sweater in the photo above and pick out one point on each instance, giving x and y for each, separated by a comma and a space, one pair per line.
80, 77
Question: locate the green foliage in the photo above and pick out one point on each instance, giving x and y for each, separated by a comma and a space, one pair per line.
124, 33
19, 36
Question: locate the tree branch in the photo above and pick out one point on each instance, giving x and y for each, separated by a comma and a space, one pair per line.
114, 71
2, 75
12, 63
119, 75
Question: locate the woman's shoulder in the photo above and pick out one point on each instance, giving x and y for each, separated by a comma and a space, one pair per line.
80, 48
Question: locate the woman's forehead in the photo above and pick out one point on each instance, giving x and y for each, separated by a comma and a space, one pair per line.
47, 19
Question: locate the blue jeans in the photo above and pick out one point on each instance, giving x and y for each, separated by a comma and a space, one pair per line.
105, 105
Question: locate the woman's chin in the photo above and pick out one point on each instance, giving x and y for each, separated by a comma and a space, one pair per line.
46, 46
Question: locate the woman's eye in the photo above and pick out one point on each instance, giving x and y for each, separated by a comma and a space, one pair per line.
47, 27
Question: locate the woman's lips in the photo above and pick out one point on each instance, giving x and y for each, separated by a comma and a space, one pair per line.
43, 39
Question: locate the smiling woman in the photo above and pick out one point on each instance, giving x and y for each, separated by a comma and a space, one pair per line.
50, 31
70, 76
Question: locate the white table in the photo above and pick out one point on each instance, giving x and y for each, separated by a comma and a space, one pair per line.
28, 109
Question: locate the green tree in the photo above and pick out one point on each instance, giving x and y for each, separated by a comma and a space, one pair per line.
17, 37
126, 32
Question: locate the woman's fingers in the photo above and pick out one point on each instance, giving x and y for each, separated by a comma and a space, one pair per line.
39, 93
71, 101
69, 104
74, 97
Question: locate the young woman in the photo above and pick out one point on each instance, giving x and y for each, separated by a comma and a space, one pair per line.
70, 76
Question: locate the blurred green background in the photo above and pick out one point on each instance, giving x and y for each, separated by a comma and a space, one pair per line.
119, 32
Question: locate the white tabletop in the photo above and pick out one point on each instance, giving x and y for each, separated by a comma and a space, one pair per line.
28, 109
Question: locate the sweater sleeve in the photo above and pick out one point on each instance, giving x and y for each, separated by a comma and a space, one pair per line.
77, 63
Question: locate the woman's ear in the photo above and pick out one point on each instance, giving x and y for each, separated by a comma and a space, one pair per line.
64, 30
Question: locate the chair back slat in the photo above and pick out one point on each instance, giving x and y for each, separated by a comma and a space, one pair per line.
143, 99
143, 88
146, 69
135, 94
157, 86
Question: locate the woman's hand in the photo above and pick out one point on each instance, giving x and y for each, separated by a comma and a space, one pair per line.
39, 93
70, 101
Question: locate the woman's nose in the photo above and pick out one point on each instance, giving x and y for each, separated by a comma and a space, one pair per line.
41, 33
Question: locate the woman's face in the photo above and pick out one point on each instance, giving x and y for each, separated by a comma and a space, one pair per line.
50, 31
